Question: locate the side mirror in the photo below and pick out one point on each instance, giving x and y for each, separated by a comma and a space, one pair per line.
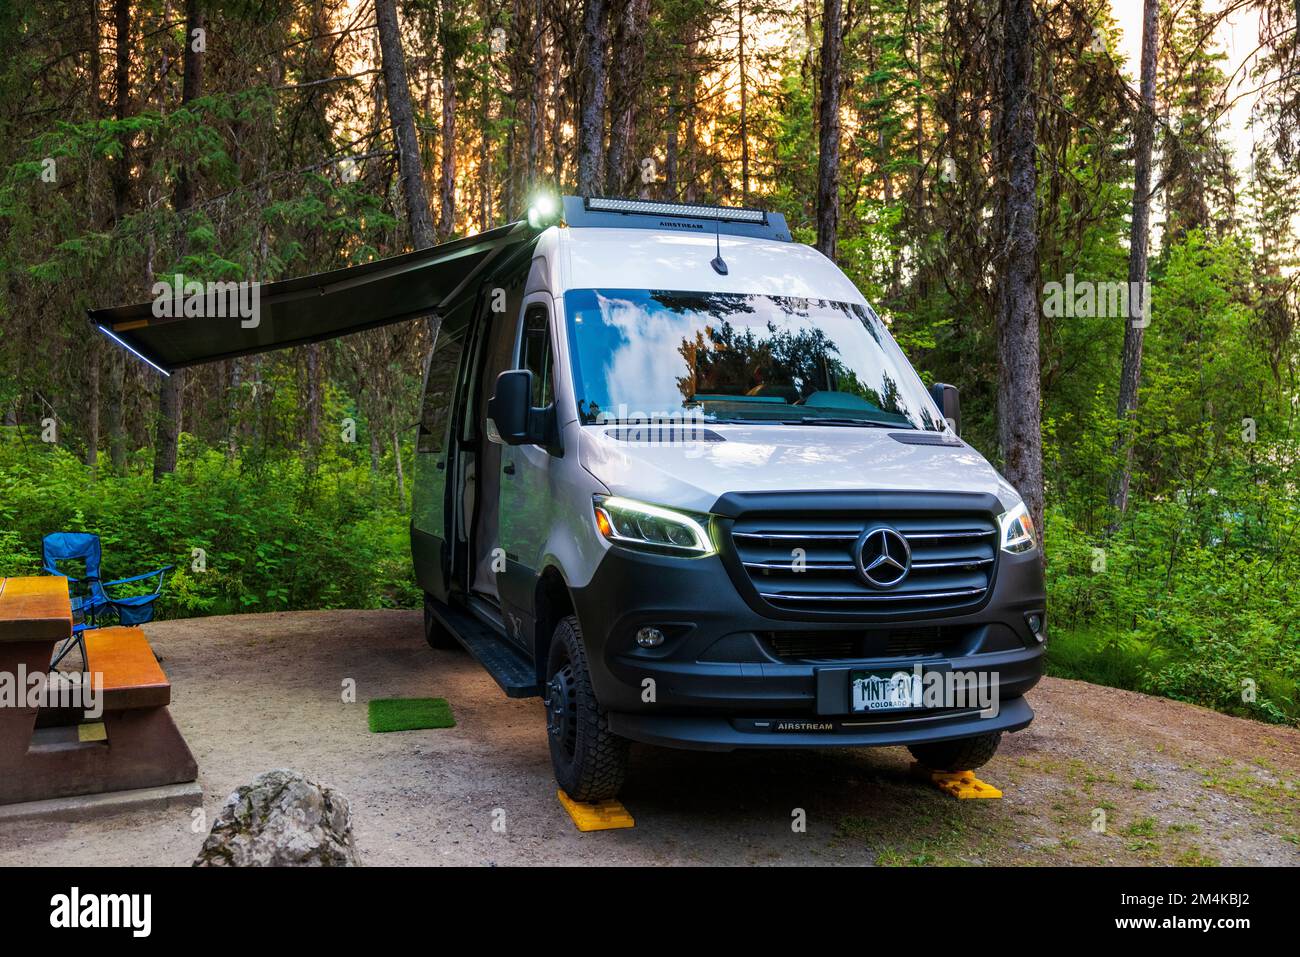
948, 399
512, 418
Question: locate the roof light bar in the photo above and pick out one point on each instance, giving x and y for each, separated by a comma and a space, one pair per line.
730, 214
133, 352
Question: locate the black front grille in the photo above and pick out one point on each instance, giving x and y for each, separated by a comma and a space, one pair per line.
890, 643
809, 564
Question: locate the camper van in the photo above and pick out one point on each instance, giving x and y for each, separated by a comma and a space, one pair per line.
675, 477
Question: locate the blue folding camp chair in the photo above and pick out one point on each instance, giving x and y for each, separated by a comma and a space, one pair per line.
92, 598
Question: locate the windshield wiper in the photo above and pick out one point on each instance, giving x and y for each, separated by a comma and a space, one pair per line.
831, 420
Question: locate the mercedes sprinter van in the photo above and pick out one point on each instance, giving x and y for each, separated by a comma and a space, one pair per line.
675, 477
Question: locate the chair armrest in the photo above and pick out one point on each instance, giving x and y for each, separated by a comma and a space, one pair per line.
135, 578
70, 578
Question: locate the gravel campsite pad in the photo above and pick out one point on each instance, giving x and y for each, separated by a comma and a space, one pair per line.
1170, 782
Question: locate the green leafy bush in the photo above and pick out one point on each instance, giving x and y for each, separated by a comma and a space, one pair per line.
1172, 605
280, 536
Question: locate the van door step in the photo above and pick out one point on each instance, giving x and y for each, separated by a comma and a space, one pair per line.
507, 666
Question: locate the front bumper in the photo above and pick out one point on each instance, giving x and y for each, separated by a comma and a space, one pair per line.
717, 683
723, 734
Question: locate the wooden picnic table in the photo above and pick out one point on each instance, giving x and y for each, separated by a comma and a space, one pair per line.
34, 609
56, 752
35, 615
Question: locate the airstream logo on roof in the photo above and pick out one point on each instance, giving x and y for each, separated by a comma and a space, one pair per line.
669, 224
191, 299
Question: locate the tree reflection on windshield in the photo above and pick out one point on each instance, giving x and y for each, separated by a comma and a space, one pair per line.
643, 355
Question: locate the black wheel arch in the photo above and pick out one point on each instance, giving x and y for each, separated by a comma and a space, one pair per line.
552, 603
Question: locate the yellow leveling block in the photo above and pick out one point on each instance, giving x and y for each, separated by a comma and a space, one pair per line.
960, 784
93, 731
604, 816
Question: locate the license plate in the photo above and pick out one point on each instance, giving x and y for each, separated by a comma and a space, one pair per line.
885, 690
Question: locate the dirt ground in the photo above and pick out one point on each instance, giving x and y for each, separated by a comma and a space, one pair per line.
1172, 783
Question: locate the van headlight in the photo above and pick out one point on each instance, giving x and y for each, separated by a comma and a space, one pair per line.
1016, 529
652, 527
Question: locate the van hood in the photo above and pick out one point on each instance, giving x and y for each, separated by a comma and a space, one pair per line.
769, 458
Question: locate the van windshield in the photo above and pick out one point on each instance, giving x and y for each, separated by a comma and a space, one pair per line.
643, 355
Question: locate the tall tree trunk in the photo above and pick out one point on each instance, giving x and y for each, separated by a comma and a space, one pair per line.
1131, 370
92, 405
95, 66
591, 123
557, 115
168, 429
233, 405
828, 139
171, 390
447, 184
918, 121
94, 356
115, 413
401, 474
1019, 386
744, 105
536, 95
120, 178
402, 115
315, 394
191, 87
485, 140
692, 115
121, 174
625, 81
671, 147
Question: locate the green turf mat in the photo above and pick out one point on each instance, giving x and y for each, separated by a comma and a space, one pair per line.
410, 714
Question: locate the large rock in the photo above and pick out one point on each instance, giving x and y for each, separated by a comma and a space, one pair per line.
279, 820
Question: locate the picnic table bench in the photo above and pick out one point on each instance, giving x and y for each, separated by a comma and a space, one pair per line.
52, 751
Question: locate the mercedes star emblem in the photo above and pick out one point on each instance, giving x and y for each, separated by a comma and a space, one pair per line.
883, 557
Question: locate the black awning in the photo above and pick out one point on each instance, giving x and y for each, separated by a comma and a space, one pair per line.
308, 309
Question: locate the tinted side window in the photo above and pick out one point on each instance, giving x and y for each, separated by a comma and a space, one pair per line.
439, 386
496, 321
535, 355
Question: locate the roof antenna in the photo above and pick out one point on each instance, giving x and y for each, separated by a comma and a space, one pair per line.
719, 266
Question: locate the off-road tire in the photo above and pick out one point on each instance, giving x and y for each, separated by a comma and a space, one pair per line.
590, 761
435, 633
964, 754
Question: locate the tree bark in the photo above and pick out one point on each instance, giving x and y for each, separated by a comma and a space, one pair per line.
447, 184
315, 394
1019, 386
120, 178
92, 406
591, 123
625, 81
688, 192
744, 105
402, 114
536, 100
401, 474
1131, 368
828, 138
557, 97
671, 147
94, 356
171, 390
115, 413
485, 141
121, 174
